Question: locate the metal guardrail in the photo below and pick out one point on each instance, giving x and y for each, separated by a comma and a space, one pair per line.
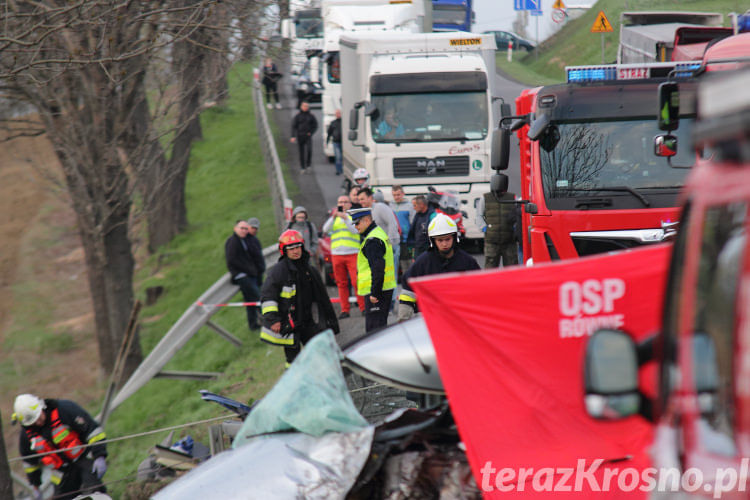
281, 201
195, 317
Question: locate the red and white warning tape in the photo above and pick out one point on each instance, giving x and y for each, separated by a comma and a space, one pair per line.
257, 304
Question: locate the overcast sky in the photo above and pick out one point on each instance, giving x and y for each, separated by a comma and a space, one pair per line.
499, 14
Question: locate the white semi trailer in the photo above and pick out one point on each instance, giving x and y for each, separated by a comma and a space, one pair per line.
417, 110
347, 16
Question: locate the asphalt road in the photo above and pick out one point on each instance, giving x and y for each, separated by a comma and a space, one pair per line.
320, 188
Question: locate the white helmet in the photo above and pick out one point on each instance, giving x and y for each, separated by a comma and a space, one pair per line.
27, 409
361, 173
441, 225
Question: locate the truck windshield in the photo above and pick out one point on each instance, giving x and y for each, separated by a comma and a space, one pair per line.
449, 14
585, 159
430, 117
308, 27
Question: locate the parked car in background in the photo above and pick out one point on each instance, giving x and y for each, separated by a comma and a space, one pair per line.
503, 37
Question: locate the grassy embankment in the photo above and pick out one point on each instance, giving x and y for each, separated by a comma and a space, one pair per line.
574, 44
226, 181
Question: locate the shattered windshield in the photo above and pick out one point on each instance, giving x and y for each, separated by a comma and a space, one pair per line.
430, 117
584, 159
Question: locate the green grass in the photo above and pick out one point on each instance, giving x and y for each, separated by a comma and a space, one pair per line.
574, 44
226, 181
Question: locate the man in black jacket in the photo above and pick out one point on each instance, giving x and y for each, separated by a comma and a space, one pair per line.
442, 257
304, 126
294, 302
246, 265
59, 424
334, 134
417, 238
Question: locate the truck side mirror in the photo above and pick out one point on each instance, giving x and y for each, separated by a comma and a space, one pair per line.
315, 69
353, 119
537, 127
505, 109
499, 184
611, 375
288, 29
669, 106
500, 149
665, 145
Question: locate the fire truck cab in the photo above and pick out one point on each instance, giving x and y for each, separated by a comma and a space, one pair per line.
701, 411
590, 182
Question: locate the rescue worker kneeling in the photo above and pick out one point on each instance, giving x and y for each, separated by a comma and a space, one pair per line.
58, 424
294, 302
444, 256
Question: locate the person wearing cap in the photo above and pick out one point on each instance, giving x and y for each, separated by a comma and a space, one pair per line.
294, 301
376, 278
59, 424
246, 264
301, 223
443, 256
344, 250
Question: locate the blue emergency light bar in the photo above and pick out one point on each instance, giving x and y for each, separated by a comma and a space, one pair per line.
615, 72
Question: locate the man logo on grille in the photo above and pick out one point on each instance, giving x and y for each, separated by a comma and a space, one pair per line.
431, 166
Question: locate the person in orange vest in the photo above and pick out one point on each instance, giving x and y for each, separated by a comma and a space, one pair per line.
60, 424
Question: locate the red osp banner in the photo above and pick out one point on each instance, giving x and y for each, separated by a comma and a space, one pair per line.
510, 346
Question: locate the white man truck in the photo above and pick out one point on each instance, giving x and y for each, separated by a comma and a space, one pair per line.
417, 111
347, 16
304, 30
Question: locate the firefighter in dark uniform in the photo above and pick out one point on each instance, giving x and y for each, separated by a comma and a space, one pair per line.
443, 256
294, 302
59, 424
500, 239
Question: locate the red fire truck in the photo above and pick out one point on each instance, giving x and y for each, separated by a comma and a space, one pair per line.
702, 410
590, 182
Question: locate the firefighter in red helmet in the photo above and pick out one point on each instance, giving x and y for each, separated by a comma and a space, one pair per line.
294, 301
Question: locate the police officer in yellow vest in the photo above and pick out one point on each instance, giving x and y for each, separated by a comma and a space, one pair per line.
344, 250
376, 279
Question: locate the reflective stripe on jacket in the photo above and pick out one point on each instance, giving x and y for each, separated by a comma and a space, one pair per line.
62, 437
364, 273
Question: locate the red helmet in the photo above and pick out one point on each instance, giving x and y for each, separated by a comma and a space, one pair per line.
289, 237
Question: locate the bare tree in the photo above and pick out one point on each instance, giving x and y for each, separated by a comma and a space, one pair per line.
114, 84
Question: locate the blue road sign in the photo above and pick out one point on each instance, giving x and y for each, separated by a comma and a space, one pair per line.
533, 5
535, 12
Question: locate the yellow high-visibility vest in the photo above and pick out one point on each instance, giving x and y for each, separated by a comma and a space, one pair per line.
364, 273
342, 236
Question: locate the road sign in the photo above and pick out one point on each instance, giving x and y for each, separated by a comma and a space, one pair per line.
534, 5
535, 12
601, 25
558, 5
558, 15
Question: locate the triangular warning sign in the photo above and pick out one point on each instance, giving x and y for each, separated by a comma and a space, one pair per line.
558, 5
601, 25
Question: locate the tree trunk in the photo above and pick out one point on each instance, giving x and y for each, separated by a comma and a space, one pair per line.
6, 486
103, 221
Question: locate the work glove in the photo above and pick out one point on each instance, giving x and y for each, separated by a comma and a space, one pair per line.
100, 467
